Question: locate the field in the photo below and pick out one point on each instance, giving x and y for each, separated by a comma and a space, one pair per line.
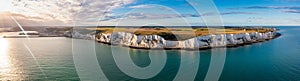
181, 33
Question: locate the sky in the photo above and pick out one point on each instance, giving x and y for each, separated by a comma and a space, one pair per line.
150, 12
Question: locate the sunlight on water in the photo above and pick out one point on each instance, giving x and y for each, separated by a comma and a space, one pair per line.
4, 56
8, 69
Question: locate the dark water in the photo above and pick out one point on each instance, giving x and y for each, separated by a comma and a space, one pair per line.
277, 59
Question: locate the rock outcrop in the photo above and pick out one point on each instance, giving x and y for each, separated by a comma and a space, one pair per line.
76, 34
157, 42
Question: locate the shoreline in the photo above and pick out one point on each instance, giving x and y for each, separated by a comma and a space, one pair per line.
203, 48
273, 36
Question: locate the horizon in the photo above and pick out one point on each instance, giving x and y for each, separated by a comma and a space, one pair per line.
150, 26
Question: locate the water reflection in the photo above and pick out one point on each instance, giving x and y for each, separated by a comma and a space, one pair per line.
9, 64
5, 59
54, 56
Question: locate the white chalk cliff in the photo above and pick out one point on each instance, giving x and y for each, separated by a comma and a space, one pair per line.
76, 34
155, 41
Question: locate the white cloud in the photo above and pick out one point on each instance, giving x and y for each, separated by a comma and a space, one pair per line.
142, 6
66, 11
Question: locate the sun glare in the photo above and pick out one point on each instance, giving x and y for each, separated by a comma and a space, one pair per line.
4, 62
5, 5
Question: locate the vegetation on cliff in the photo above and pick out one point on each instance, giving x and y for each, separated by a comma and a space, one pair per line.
177, 33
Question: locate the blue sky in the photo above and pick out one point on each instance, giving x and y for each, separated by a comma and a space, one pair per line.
235, 12
149, 12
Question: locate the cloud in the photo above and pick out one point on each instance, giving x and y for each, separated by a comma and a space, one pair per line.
141, 6
7, 21
152, 6
235, 13
166, 16
268, 7
284, 9
288, 0
24, 16
273, 7
66, 11
148, 16
297, 20
291, 11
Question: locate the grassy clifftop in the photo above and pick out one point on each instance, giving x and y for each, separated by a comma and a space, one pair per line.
181, 33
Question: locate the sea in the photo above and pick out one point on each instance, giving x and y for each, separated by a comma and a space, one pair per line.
66, 59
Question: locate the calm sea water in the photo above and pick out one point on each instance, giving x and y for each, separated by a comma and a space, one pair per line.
52, 59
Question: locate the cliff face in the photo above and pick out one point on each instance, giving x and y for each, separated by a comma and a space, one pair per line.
77, 35
155, 41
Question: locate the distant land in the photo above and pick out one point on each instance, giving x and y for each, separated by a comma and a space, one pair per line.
161, 37
45, 31
182, 32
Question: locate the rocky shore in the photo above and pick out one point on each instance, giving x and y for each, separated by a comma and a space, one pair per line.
200, 42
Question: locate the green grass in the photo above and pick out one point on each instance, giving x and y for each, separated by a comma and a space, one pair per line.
180, 33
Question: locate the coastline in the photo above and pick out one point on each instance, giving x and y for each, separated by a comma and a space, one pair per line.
150, 42
159, 42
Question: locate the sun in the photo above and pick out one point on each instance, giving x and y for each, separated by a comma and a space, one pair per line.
5, 5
